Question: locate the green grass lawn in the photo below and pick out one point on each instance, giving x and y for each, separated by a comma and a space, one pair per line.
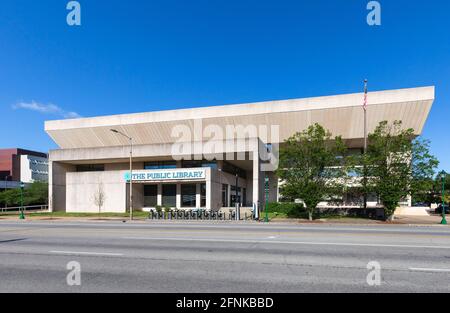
136, 214
281, 215
140, 215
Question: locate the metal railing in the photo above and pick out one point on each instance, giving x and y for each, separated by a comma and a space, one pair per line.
40, 207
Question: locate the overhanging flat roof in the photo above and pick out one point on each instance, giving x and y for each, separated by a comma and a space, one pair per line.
341, 114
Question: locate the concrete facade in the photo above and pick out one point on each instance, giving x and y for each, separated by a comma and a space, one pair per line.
91, 155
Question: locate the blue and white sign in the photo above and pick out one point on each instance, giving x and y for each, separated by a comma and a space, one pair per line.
161, 175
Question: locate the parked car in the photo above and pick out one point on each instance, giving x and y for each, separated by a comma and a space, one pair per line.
439, 209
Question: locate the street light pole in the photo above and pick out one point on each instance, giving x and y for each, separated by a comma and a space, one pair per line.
266, 207
444, 221
21, 216
238, 217
131, 169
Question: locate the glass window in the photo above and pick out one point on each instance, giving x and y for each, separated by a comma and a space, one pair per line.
224, 195
150, 196
234, 196
156, 165
203, 195
188, 195
244, 197
90, 167
198, 163
169, 195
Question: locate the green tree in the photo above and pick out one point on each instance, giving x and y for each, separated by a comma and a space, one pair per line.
35, 193
436, 191
397, 165
310, 167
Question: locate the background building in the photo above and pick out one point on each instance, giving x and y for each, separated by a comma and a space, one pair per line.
92, 158
18, 165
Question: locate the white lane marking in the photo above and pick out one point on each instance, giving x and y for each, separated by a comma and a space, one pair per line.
380, 228
87, 253
290, 242
423, 269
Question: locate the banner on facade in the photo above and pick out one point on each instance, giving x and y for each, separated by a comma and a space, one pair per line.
161, 175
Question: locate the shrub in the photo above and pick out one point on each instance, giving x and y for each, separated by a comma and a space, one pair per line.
291, 209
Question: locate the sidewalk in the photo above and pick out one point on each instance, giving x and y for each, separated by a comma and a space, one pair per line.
399, 220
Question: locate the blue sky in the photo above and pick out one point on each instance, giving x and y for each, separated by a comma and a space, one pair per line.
134, 56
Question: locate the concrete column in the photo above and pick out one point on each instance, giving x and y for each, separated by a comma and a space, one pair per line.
178, 198
57, 185
229, 196
208, 193
50, 186
159, 196
197, 196
257, 178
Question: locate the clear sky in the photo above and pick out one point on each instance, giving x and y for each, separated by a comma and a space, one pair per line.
135, 56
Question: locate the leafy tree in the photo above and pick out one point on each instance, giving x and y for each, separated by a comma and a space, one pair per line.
397, 165
423, 168
435, 194
310, 167
34, 194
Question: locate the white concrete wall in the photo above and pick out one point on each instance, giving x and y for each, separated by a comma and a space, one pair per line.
82, 186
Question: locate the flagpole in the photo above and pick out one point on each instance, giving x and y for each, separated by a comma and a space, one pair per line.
365, 143
365, 116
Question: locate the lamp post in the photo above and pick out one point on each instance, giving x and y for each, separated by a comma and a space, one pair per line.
131, 169
238, 217
266, 207
443, 175
21, 216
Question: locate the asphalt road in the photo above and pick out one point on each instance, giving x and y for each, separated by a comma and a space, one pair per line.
221, 257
